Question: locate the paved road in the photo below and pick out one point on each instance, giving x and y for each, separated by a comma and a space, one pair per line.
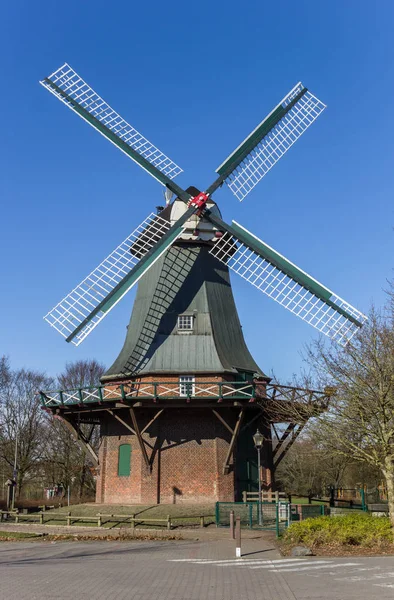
190, 570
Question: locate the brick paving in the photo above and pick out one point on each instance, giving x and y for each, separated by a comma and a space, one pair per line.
184, 570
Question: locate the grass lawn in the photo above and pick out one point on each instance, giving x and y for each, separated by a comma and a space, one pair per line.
15, 535
303, 500
182, 515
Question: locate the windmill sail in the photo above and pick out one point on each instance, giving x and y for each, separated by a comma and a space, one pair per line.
271, 139
75, 93
83, 308
284, 282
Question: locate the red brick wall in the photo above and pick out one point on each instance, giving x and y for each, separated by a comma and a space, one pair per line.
189, 448
111, 488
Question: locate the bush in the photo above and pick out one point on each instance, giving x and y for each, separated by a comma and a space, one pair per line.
353, 530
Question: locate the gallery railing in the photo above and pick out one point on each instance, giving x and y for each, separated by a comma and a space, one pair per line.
151, 390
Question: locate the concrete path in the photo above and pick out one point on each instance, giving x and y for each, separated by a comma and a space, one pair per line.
184, 570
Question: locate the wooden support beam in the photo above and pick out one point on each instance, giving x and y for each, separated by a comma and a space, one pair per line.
140, 438
90, 433
289, 444
129, 427
284, 437
226, 466
78, 434
227, 426
276, 433
157, 415
251, 421
124, 423
105, 407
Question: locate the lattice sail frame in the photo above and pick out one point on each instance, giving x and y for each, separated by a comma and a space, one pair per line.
74, 86
279, 286
276, 143
78, 304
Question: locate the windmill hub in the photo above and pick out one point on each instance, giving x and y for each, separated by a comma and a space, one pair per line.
196, 227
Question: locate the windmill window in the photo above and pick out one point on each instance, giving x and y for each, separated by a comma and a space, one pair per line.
186, 385
124, 460
185, 322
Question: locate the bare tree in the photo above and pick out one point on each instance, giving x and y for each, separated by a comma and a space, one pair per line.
67, 462
81, 373
5, 375
300, 471
22, 422
360, 422
311, 468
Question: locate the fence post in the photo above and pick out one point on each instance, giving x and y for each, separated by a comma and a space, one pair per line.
41, 518
68, 519
133, 521
99, 520
202, 524
362, 494
322, 510
232, 534
168, 522
244, 496
238, 537
217, 514
276, 496
250, 505
277, 520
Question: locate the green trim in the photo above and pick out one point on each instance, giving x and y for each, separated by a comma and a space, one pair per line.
257, 135
124, 460
137, 272
254, 138
130, 282
133, 154
281, 263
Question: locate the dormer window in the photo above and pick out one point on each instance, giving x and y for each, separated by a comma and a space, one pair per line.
185, 323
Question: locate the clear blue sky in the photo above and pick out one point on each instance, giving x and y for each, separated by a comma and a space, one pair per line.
194, 78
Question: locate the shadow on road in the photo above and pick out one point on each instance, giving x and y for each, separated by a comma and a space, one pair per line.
53, 554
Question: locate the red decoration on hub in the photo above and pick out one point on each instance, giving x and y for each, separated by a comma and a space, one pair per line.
199, 201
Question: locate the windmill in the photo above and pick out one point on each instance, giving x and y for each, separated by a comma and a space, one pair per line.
82, 309
181, 257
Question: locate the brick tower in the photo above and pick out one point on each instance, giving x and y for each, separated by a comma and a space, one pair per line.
178, 408
185, 348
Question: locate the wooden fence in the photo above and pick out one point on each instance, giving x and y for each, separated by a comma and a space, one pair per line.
46, 517
265, 496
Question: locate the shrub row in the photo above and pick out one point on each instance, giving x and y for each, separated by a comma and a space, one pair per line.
353, 530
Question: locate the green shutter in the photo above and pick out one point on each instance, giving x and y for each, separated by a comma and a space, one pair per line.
124, 460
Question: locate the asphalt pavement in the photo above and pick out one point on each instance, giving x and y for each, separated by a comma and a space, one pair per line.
184, 570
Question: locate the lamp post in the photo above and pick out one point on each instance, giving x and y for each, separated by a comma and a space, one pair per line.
258, 439
15, 471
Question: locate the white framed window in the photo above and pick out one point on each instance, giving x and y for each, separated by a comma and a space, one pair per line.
185, 323
186, 385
